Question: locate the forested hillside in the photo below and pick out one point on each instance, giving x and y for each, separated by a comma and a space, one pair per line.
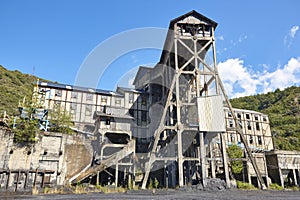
14, 86
283, 108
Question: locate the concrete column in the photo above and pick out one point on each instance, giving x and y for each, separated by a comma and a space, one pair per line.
225, 161
97, 178
281, 177
294, 177
116, 175
202, 158
212, 161
180, 158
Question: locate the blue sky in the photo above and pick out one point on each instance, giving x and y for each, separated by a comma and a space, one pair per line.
52, 39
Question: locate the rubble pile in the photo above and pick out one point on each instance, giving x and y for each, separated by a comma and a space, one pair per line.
212, 184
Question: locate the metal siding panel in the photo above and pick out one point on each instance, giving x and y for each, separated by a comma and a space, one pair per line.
211, 114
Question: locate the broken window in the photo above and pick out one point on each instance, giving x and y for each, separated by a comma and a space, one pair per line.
107, 121
130, 98
264, 118
73, 108
239, 115
144, 100
248, 125
232, 138
230, 123
118, 101
88, 110
104, 99
229, 114
89, 97
256, 117
58, 93
247, 116
144, 116
74, 95
250, 139
259, 140
257, 126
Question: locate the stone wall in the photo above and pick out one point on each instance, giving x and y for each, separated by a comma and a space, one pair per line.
51, 161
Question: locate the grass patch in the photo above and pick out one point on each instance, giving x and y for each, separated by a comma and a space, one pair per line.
275, 186
294, 188
110, 189
245, 186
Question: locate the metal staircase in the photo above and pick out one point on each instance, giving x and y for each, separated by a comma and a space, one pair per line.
114, 159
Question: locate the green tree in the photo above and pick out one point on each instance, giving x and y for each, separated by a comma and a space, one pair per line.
235, 152
60, 120
25, 128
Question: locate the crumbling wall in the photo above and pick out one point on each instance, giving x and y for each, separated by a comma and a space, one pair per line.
51, 161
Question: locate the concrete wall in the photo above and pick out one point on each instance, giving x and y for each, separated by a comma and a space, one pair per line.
51, 161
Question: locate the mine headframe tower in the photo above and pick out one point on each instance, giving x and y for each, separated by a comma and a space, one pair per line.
191, 124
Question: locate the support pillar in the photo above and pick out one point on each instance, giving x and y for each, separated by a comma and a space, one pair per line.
202, 158
180, 159
225, 161
295, 177
116, 175
212, 161
97, 178
281, 178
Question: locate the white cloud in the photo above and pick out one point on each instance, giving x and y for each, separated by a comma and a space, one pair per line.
293, 31
288, 39
221, 37
240, 80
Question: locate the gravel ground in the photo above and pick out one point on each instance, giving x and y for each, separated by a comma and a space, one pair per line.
171, 194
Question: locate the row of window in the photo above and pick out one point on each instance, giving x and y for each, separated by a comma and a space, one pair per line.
251, 139
89, 97
247, 115
249, 127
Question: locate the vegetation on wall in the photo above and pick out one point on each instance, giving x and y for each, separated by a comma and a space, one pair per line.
16, 87
60, 120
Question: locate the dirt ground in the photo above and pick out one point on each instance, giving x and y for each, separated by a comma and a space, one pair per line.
171, 194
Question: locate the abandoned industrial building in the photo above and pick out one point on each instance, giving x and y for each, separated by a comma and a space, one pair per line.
174, 126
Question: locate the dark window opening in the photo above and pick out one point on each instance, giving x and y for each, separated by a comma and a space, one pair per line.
89, 97
144, 116
118, 101
144, 100
264, 118
130, 98
239, 115
74, 95
256, 117
230, 123
247, 116
259, 140
58, 93
257, 126
107, 121
248, 126
251, 139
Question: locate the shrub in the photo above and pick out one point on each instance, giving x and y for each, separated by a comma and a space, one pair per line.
275, 186
245, 186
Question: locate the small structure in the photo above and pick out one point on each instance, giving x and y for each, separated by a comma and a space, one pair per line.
284, 167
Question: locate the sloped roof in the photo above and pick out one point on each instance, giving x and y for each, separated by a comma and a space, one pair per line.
141, 72
194, 14
170, 35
